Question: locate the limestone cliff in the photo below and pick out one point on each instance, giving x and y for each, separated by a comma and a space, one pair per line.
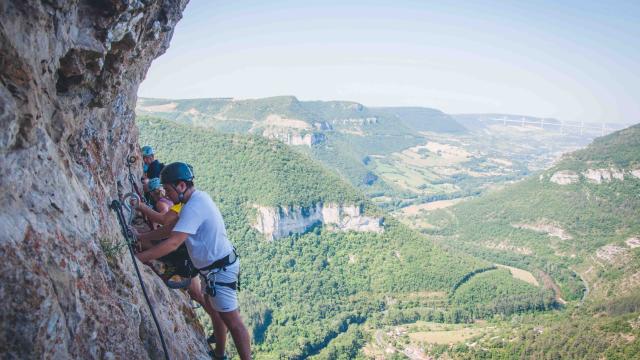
598, 176
279, 222
594, 176
69, 73
295, 138
565, 177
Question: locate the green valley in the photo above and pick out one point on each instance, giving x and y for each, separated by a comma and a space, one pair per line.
576, 227
398, 156
487, 237
302, 291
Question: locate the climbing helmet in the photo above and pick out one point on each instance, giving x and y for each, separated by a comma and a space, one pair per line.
175, 172
147, 150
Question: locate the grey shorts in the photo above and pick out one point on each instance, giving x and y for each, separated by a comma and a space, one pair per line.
224, 297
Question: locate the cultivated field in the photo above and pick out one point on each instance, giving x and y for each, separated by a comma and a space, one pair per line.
520, 274
445, 336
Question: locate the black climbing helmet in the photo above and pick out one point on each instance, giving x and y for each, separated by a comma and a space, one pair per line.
175, 172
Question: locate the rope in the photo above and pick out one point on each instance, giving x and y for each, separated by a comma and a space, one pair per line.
117, 207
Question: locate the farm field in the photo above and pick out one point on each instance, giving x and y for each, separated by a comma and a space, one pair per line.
520, 274
418, 340
435, 333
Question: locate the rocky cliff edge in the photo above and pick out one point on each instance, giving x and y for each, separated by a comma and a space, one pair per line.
69, 73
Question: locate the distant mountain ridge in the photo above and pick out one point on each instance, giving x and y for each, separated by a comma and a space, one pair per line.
402, 155
481, 120
341, 134
212, 110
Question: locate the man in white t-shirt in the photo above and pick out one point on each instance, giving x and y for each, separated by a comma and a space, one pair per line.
202, 229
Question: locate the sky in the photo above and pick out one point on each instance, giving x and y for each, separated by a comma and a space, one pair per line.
569, 60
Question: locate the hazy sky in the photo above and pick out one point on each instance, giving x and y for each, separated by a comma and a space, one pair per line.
573, 60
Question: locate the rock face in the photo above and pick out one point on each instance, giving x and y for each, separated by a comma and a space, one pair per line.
598, 176
594, 176
612, 253
290, 131
293, 138
565, 177
633, 242
356, 121
545, 227
69, 73
279, 222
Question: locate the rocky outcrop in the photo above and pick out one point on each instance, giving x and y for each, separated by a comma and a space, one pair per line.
289, 131
356, 121
279, 222
612, 253
545, 227
633, 242
594, 176
598, 176
290, 138
324, 126
565, 177
69, 73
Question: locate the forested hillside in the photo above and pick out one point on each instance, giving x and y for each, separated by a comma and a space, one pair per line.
398, 156
301, 292
578, 218
576, 227
338, 133
323, 292
571, 228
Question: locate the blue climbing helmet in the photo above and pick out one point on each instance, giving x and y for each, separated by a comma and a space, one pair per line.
175, 172
147, 150
154, 184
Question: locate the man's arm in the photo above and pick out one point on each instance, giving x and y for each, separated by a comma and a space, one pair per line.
160, 233
171, 244
153, 215
169, 217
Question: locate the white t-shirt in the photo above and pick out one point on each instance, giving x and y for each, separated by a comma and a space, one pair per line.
201, 219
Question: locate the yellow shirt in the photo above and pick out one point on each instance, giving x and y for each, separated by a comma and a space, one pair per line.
177, 208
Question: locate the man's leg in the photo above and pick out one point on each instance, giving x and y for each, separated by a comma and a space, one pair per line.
225, 299
238, 331
219, 329
196, 293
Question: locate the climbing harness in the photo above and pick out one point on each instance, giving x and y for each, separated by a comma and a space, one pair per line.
209, 273
211, 284
222, 263
130, 239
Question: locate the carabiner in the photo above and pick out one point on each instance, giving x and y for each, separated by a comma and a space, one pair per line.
131, 208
